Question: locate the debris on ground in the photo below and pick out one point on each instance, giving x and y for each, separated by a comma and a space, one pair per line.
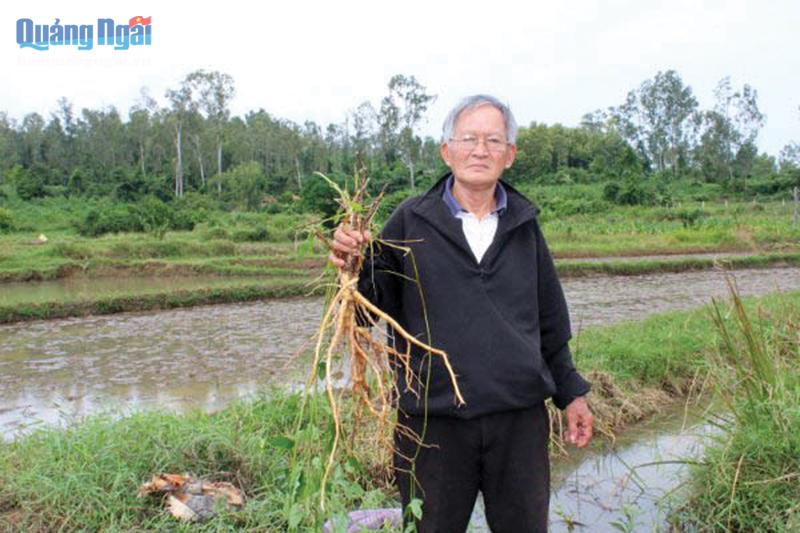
371, 520
191, 499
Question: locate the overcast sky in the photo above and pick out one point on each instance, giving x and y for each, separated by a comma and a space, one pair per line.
552, 62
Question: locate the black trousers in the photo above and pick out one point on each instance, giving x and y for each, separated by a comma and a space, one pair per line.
503, 455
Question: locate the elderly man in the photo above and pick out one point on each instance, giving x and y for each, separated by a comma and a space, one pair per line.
487, 294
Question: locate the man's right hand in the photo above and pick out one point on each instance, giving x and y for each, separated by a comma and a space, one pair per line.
346, 242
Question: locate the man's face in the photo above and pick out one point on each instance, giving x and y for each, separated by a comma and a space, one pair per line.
482, 162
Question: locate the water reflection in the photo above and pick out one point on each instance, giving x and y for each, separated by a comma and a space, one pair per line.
632, 484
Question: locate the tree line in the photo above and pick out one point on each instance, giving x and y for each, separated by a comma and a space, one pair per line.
192, 143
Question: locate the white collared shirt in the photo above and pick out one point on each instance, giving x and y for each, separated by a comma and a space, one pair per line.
479, 233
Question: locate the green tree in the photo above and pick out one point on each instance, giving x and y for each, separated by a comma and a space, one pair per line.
244, 185
659, 119
142, 123
182, 107
401, 112
213, 91
727, 145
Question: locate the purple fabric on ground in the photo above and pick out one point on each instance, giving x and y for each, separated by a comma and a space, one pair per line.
370, 519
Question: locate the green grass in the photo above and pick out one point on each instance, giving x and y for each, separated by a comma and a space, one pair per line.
272, 288
178, 253
689, 227
750, 477
86, 477
631, 267
655, 230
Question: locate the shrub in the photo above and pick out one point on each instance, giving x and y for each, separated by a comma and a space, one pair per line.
217, 233
149, 215
154, 215
573, 206
689, 217
6, 220
259, 234
319, 197
109, 218
611, 191
390, 203
195, 205
30, 188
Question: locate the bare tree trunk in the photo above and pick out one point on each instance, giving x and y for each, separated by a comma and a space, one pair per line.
297, 170
796, 192
141, 157
219, 163
219, 156
178, 161
411, 173
199, 152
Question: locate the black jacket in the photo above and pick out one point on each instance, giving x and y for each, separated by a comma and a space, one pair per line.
503, 321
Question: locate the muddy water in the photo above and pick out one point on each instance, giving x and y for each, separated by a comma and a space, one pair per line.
55, 371
634, 483
78, 288
630, 485
607, 299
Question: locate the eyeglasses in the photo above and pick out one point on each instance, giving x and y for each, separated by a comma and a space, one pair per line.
469, 142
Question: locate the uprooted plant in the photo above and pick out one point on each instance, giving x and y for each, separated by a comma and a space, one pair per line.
345, 340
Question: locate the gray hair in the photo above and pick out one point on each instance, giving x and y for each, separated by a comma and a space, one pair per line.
477, 100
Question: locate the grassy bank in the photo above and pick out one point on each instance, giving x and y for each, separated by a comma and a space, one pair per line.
632, 267
272, 288
750, 477
189, 253
86, 476
688, 228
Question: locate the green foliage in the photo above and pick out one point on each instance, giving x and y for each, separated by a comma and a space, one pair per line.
317, 196
29, 185
259, 234
634, 190
6, 220
561, 155
109, 218
76, 185
265, 160
390, 202
689, 217
149, 215
243, 185
128, 187
558, 201
154, 216
748, 480
200, 206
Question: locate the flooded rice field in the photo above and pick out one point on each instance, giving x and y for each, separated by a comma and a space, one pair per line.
202, 357
75, 289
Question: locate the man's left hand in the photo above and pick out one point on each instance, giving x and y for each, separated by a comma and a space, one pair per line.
579, 422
